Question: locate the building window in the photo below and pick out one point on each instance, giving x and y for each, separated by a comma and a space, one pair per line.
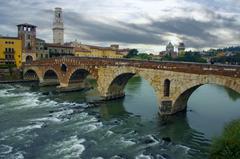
29, 45
167, 88
29, 37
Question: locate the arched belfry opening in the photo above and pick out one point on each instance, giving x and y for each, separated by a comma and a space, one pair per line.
167, 84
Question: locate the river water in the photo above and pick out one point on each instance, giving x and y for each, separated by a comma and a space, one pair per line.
34, 124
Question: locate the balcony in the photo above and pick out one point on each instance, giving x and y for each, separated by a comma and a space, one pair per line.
9, 52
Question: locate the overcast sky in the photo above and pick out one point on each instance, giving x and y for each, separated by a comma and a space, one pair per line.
144, 24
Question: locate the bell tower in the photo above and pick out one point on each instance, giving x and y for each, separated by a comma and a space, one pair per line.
58, 27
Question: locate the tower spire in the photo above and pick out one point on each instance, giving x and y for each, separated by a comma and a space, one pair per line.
58, 26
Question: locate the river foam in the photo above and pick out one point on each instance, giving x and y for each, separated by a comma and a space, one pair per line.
69, 148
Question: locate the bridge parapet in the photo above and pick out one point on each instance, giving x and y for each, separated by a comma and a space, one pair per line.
193, 68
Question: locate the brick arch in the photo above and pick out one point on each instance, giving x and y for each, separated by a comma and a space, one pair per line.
51, 69
31, 72
115, 86
72, 71
183, 95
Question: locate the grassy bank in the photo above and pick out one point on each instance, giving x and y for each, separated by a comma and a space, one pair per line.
227, 146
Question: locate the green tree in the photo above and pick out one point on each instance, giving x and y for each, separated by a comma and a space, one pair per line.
227, 146
191, 57
144, 56
167, 58
132, 53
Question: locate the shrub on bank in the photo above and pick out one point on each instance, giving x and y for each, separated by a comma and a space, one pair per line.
227, 146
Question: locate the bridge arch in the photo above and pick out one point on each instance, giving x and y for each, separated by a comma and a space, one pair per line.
182, 97
80, 74
31, 74
51, 77
117, 83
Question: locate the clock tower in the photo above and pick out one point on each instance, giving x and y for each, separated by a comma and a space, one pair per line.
58, 27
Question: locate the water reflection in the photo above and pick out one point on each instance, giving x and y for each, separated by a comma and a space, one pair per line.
231, 93
179, 131
212, 106
112, 110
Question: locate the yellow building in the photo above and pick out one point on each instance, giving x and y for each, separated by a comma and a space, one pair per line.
11, 51
96, 51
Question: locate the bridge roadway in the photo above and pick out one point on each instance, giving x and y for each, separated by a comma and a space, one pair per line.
173, 82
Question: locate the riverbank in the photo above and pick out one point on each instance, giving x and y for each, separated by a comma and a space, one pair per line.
10, 75
16, 81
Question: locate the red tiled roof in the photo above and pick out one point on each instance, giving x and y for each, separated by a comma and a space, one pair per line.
79, 49
58, 45
99, 47
8, 37
26, 24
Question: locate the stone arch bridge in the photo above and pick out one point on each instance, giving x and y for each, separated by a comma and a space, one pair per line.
173, 82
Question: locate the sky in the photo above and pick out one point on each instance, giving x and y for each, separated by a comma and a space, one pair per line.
148, 25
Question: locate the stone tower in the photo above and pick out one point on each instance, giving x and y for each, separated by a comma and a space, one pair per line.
27, 33
58, 27
169, 48
181, 49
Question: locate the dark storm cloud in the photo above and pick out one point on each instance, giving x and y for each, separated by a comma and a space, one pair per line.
186, 28
79, 25
108, 31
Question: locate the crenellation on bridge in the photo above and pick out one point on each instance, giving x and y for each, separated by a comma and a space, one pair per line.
173, 83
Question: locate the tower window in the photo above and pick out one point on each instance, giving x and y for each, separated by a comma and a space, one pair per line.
29, 46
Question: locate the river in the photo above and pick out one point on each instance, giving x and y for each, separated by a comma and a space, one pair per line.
37, 125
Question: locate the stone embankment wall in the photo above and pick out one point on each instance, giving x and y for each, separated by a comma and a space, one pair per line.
10, 74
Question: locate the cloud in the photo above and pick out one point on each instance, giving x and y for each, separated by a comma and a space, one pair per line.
199, 24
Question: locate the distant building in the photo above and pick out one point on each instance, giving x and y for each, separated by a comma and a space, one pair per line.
162, 53
10, 51
58, 27
169, 49
41, 49
27, 33
82, 50
115, 46
181, 49
56, 50
123, 52
97, 51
